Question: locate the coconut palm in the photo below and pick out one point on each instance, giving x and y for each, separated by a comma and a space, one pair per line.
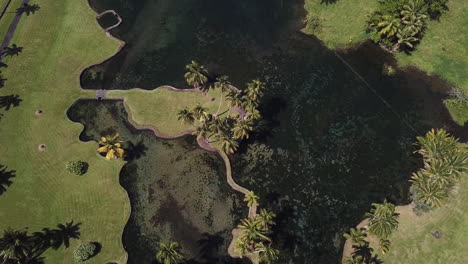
382, 219
201, 132
228, 144
253, 114
265, 219
169, 253
5, 178
186, 115
255, 90
12, 51
196, 76
14, 246
111, 146
242, 128
267, 253
384, 245
251, 199
234, 98
437, 144
200, 112
252, 231
357, 236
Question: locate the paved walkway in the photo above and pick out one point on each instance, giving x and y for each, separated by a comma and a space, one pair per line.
11, 29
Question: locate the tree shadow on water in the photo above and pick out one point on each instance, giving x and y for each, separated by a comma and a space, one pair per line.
8, 101
5, 178
135, 151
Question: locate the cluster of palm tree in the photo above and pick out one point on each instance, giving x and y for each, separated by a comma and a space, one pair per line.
444, 164
17, 247
111, 146
255, 231
228, 130
169, 253
399, 24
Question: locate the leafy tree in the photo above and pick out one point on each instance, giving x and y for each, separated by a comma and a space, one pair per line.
77, 167
111, 146
5, 178
251, 199
382, 219
357, 236
187, 116
84, 252
197, 75
169, 253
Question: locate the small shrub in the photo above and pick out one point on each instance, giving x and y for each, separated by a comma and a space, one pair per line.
77, 167
84, 252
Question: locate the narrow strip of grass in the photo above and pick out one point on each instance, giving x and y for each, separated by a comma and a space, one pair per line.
59, 41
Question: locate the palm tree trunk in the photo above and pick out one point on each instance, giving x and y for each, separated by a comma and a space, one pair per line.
220, 101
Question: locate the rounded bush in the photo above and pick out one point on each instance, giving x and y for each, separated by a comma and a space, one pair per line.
77, 167
84, 252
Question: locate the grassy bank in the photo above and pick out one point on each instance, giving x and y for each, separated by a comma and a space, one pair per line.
59, 41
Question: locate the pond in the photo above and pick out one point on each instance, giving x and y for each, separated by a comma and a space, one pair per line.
339, 126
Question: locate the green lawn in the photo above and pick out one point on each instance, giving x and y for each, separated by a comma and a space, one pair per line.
342, 23
413, 242
159, 107
59, 41
8, 16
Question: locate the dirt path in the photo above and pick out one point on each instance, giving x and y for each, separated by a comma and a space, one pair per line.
11, 29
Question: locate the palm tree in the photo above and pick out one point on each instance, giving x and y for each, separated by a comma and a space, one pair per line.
437, 144
5, 177
196, 76
169, 253
242, 129
243, 246
255, 90
199, 112
111, 146
253, 114
355, 259
388, 25
233, 97
382, 219
28, 9
429, 192
267, 253
14, 246
222, 83
251, 199
201, 132
12, 51
384, 245
265, 219
252, 231
357, 236
187, 116
228, 144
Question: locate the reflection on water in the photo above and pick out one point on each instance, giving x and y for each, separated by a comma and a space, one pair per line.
337, 137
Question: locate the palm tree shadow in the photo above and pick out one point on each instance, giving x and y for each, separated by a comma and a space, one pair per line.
8, 101
63, 233
14, 50
28, 9
209, 246
327, 2
135, 151
5, 178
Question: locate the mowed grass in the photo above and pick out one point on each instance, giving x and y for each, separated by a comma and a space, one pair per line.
159, 107
414, 243
60, 40
342, 23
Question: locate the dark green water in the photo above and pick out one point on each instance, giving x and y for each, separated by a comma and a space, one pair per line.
330, 147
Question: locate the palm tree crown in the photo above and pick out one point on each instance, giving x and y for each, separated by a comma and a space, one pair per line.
197, 75
169, 253
111, 146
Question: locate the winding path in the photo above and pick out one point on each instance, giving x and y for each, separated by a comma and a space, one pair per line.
11, 29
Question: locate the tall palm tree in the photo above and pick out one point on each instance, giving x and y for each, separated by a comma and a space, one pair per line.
228, 144
5, 178
382, 219
267, 253
234, 98
197, 75
253, 114
255, 90
242, 129
14, 245
357, 236
12, 51
199, 112
111, 146
265, 219
169, 253
251, 198
222, 83
187, 116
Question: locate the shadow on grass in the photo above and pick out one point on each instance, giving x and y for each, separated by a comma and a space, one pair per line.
5, 178
8, 101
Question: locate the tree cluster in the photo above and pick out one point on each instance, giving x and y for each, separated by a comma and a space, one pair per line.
77, 167
400, 24
228, 130
445, 161
18, 247
84, 252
